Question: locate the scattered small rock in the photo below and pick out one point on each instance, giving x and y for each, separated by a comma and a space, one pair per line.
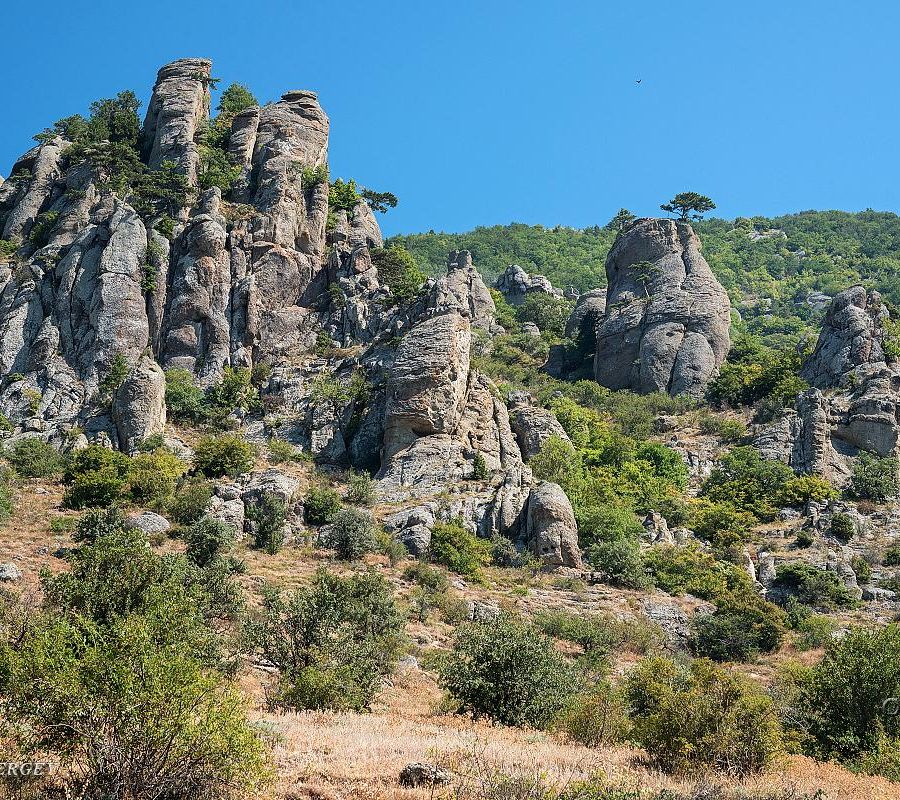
421, 774
10, 573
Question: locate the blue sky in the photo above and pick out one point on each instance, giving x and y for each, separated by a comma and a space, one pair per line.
478, 113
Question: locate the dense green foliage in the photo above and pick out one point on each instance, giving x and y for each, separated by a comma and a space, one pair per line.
688, 717
332, 641
507, 670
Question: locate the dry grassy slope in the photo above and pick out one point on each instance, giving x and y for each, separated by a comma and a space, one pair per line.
361, 755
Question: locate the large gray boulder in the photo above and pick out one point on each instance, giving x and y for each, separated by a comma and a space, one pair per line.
532, 424
667, 317
515, 284
852, 335
552, 534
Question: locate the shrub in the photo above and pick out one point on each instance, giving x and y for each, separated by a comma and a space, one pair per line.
360, 489
813, 586
458, 549
700, 716
874, 478
842, 526
721, 524
505, 554
34, 458
152, 476
95, 457
598, 718
738, 630
281, 451
804, 539
352, 534
549, 313
331, 641
690, 570
892, 556
394, 550
127, 716
861, 569
747, 481
399, 271
96, 488
620, 563
321, 505
802, 489
226, 454
191, 498
844, 696
479, 468
506, 670
607, 523
268, 515
208, 539
184, 399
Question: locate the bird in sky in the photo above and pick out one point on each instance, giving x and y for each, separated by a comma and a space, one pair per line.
639, 80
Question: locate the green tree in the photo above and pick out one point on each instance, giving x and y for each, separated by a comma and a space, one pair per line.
505, 669
688, 205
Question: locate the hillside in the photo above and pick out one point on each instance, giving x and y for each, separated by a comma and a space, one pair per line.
288, 511
785, 262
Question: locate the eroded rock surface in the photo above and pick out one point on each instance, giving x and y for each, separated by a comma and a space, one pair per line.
666, 322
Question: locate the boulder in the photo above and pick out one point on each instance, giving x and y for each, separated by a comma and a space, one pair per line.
852, 335
551, 533
148, 522
515, 284
667, 318
10, 573
532, 425
418, 774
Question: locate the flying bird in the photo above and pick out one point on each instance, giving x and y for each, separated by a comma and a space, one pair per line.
639, 80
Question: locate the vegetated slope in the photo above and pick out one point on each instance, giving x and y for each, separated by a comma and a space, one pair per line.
779, 259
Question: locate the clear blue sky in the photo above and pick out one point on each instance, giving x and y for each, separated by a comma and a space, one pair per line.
477, 113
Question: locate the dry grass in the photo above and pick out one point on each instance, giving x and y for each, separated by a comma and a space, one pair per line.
350, 755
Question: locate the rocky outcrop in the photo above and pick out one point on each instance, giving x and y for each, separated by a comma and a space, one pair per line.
464, 290
852, 336
101, 284
532, 425
552, 534
178, 108
666, 323
515, 284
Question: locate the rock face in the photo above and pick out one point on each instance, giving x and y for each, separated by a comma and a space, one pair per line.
552, 533
856, 403
666, 323
102, 284
515, 284
532, 425
852, 335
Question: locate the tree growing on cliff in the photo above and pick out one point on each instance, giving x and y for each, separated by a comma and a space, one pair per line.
688, 205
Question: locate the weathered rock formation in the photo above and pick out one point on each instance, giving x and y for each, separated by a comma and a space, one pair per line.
665, 327
852, 336
856, 403
515, 284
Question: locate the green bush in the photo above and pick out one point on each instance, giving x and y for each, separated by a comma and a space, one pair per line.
874, 478
34, 458
458, 549
506, 670
360, 489
721, 524
738, 630
744, 479
268, 515
352, 534
549, 313
598, 718
208, 539
191, 498
505, 554
152, 477
892, 556
332, 641
607, 523
281, 451
398, 270
184, 400
802, 489
696, 717
619, 563
321, 505
226, 454
813, 586
94, 457
96, 488
691, 570
844, 697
